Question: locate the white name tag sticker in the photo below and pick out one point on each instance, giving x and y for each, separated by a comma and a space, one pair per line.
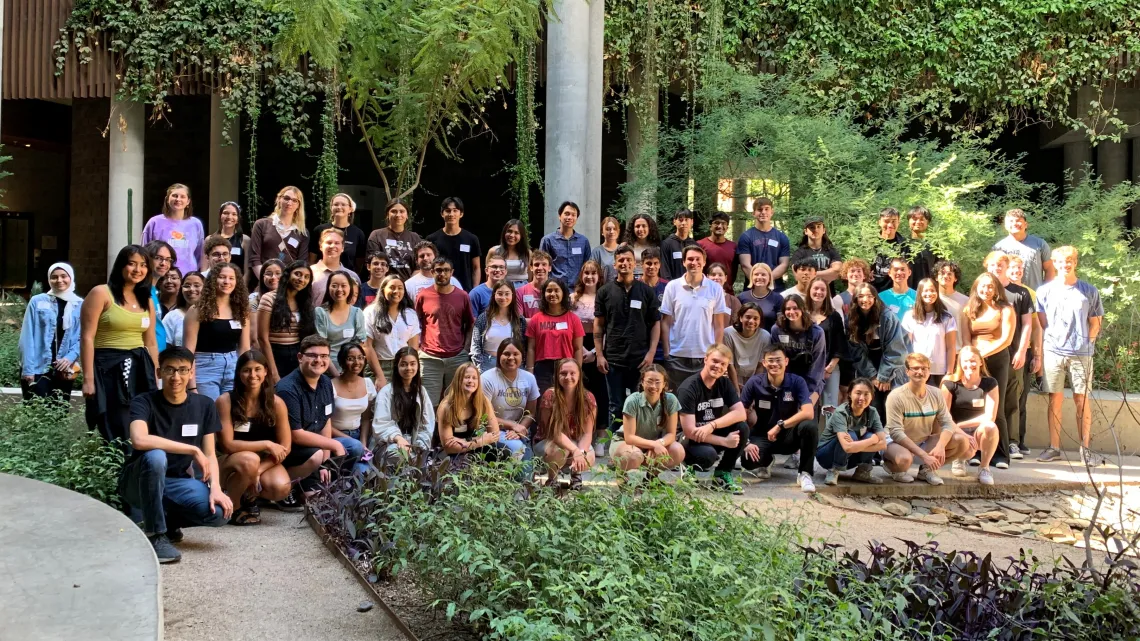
716, 402
178, 242
562, 326
635, 304
236, 251
677, 255
528, 299
328, 409
978, 402
391, 242
234, 324
44, 304
241, 427
190, 429
466, 249
894, 308
577, 251
772, 242
784, 338
349, 333
764, 405
145, 322
349, 242
296, 317
293, 242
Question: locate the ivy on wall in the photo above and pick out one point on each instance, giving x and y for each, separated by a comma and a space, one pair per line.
525, 172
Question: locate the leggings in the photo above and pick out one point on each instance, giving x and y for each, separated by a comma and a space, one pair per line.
998, 365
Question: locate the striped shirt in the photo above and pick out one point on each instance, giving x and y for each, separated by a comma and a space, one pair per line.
916, 418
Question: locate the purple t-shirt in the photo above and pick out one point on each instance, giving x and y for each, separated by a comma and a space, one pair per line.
185, 236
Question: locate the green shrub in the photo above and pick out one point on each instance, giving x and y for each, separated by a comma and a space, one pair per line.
11, 318
37, 440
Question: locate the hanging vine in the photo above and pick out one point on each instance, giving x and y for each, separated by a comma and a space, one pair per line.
525, 172
327, 177
252, 202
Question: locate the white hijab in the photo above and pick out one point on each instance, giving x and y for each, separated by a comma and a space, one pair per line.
68, 296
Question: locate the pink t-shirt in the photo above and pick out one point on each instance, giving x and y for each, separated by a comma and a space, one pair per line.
444, 319
553, 336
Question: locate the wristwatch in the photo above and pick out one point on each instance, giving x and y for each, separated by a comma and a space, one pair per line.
780, 423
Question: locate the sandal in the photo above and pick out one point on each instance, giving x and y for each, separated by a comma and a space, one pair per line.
242, 516
249, 504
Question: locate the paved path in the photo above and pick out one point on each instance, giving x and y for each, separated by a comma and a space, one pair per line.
73, 568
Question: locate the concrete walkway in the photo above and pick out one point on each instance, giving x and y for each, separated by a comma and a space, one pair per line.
73, 568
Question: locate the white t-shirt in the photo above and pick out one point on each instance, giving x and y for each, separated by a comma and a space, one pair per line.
404, 328
930, 338
347, 411
495, 335
173, 323
418, 281
692, 310
510, 399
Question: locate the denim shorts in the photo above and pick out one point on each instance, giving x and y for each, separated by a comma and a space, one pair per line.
214, 373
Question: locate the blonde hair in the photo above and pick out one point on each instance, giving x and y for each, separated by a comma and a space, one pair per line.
958, 375
720, 348
916, 357
453, 400
1014, 258
330, 231
765, 267
299, 217
998, 256
856, 263
351, 205
1065, 251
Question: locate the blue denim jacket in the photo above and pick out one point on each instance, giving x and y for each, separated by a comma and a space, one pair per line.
38, 332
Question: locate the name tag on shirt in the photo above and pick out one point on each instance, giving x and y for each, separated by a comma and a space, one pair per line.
348, 333
978, 402
44, 304
635, 304
716, 402
562, 326
677, 255
784, 338
393, 243
243, 427
328, 409
235, 324
764, 405
145, 322
528, 299
349, 242
190, 429
293, 243
577, 251
894, 308
772, 242
178, 242
236, 251
466, 249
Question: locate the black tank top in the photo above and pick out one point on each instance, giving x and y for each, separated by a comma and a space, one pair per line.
219, 336
257, 429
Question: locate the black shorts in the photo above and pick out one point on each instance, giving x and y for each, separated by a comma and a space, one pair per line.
846, 373
298, 456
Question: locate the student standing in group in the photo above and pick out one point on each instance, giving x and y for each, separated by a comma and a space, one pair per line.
922, 258
500, 322
444, 311
178, 227
458, 245
530, 294
160, 258
217, 252
1073, 313
651, 264
169, 287
1033, 358
972, 397
626, 330
781, 419
553, 334
921, 428
378, 268
514, 396
353, 395
718, 248
174, 322
603, 254
899, 297
256, 438
117, 345
397, 240
641, 234
1035, 252
932, 330
853, 435
891, 245
331, 242
283, 317
582, 303
802, 342
878, 344
341, 209
515, 249
172, 473
49, 337
693, 315
803, 273
718, 274
747, 340
819, 310
648, 432
948, 275
282, 234
713, 419
763, 243
217, 331
856, 271
424, 278
1018, 297
672, 266
761, 294
466, 420
390, 324
339, 322
988, 322
817, 247
481, 294
229, 229
567, 248
404, 418
270, 277
566, 417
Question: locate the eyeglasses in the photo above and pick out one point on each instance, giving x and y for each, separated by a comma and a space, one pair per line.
315, 356
443, 270
220, 255
288, 199
497, 268
919, 368
171, 371
162, 260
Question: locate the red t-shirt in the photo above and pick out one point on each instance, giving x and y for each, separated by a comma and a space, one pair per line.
573, 430
529, 299
724, 253
553, 336
444, 319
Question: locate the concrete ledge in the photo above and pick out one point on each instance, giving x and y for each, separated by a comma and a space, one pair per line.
1112, 412
73, 568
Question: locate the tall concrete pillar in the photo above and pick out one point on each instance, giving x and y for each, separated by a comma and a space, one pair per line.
223, 161
590, 223
1112, 162
1077, 155
568, 115
125, 177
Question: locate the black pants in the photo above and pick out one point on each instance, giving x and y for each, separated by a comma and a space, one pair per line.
703, 455
1023, 401
285, 358
998, 365
1014, 392
618, 381
47, 386
596, 385
803, 439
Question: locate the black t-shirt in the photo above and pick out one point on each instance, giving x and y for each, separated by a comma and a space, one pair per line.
186, 423
354, 243
822, 258
706, 404
1022, 303
672, 264
966, 404
629, 316
881, 268
921, 262
460, 249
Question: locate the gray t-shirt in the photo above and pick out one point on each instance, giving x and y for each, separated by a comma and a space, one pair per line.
605, 258
510, 399
746, 351
1033, 251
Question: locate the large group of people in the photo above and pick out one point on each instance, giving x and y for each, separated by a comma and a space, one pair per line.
308, 353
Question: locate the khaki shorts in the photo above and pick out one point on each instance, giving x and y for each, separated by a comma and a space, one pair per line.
1055, 366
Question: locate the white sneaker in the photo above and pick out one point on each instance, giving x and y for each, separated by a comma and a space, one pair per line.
985, 477
928, 475
1015, 452
902, 477
599, 450
958, 468
806, 484
832, 477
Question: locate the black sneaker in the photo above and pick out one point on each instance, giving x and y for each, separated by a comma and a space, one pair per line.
291, 503
164, 549
174, 535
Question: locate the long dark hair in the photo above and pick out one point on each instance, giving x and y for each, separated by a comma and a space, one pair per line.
544, 305
281, 318
239, 298
116, 282
237, 228
262, 288
326, 300
406, 403
266, 397
862, 325
920, 310
654, 237
383, 324
824, 307
512, 310
342, 356
523, 246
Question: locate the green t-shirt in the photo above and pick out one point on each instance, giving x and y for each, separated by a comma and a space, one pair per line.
650, 419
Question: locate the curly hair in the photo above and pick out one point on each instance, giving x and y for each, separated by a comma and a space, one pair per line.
239, 298
266, 397
654, 237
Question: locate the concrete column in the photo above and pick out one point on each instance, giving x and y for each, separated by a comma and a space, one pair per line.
223, 161
590, 222
1112, 162
567, 113
125, 177
1077, 155
1135, 180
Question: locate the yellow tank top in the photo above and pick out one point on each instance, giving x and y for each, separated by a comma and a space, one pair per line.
121, 329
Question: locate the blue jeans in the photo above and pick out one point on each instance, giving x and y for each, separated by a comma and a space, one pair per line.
166, 502
621, 381
353, 451
520, 450
214, 373
831, 455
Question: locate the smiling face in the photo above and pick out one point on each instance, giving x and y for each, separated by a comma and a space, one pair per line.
332, 246
718, 228
252, 375
397, 217
511, 359
971, 364
408, 367
394, 290
288, 202
760, 277
762, 214
917, 371
888, 226
775, 364
818, 291
553, 293
340, 209
641, 229
856, 276
377, 268
928, 293
946, 278
1015, 271
568, 375
451, 215
176, 373
590, 276
860, 397
541, 270
192, 288
300, 278
163, 260
750, 322
918, 224
503, 297
694, 262
272, 276
170, 283
424, 258
178, 200
227, 280
651, 267
219, 256
1015, 225
567, 217
135, 271
339, 288
496, 270
354, 360
470, 379
228, 219
1065, 264
512, 235
60, 280
865, 299
652, 384
624, 264
717, 275
986, 288
716, 364
792, 311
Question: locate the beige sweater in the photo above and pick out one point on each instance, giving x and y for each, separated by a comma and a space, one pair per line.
916, 418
